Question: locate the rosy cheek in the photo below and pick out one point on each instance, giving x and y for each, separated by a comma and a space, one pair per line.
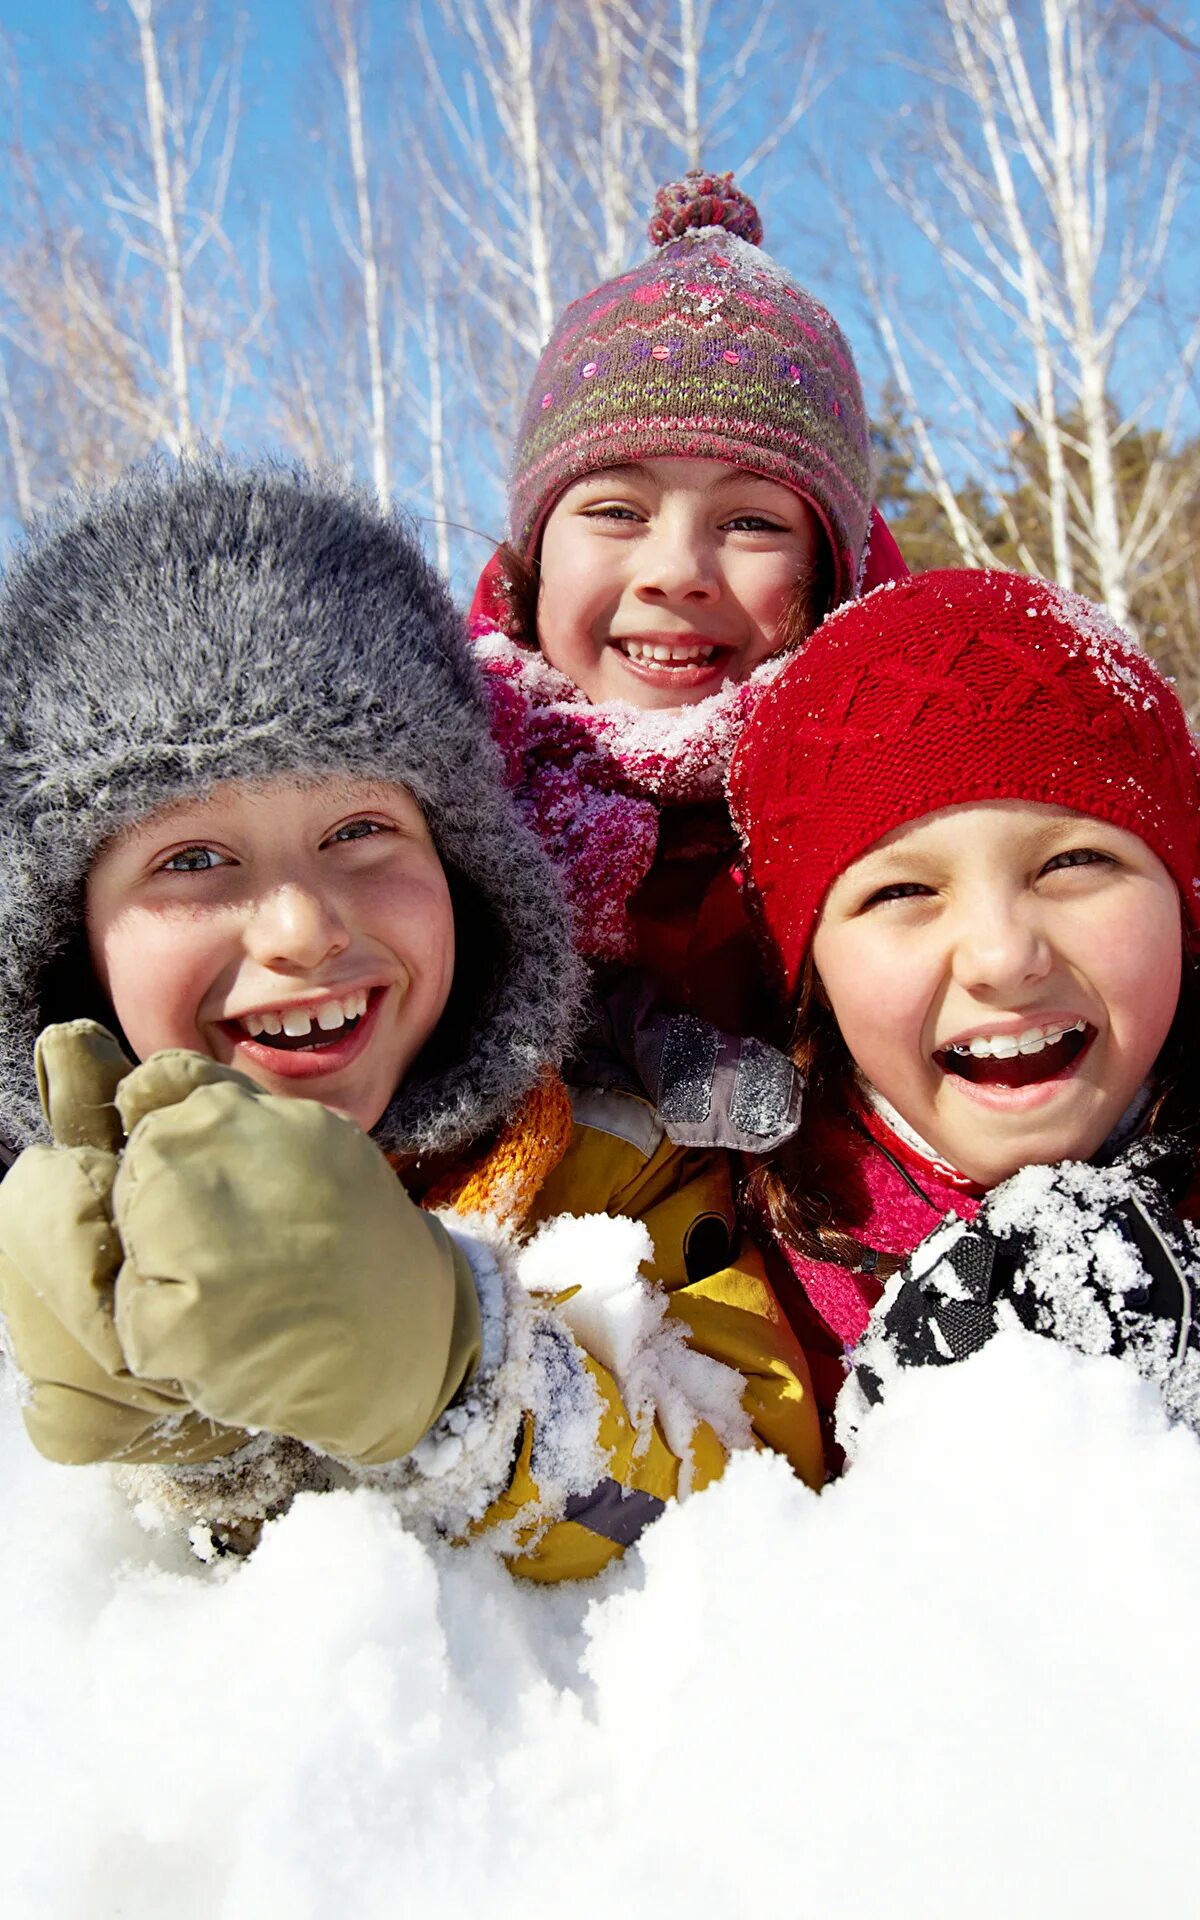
1143, 996
155, 982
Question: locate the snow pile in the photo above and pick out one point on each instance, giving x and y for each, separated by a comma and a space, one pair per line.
960, 1681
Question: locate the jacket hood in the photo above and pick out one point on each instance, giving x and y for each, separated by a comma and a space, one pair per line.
203, 622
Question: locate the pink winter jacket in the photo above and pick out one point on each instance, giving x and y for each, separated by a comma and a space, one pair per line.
898, 1196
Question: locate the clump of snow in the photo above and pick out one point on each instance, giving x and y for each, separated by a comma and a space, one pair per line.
957, 1682
623, 1322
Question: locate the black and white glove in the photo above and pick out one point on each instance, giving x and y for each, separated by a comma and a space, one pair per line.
1093, 1256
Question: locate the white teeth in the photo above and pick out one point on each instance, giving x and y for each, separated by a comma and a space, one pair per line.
297, 1022
1006, 1046
664, 655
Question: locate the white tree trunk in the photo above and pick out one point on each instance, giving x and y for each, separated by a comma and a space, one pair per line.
436, 422
969, 27
690, 46
607, 76
520, 39
1079, 154
22, 480
180, 432
372, 302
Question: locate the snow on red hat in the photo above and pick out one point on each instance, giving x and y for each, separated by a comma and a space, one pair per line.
946, 688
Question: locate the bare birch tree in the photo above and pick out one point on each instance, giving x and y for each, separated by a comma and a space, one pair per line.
691, 93
364, 360
1046, 190
119, 285
552, 128
343, 38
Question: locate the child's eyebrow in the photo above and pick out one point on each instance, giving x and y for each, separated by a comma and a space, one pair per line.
882, 859
628, 470
745, 476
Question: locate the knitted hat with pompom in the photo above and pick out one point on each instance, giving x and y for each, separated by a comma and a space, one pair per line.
949, 688
706, 351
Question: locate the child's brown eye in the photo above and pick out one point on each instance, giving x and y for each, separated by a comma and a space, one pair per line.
357, 830
193, 860
899, 890
1077, 857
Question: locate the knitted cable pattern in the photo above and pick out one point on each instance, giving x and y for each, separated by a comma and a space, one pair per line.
949, 688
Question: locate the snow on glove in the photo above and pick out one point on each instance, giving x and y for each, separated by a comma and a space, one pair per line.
1093, 1256
276, 1268
60, 1255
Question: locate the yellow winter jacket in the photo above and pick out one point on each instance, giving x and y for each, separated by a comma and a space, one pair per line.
620, 1162
232, 1296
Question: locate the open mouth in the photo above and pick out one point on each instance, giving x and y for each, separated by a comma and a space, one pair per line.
328, 1023
1017, 1059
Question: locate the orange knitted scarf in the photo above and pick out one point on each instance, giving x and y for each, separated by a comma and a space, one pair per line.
504, 1178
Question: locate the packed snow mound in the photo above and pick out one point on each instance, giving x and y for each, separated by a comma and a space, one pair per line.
959, 1681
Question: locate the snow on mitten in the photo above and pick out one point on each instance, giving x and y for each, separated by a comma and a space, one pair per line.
1093, 1256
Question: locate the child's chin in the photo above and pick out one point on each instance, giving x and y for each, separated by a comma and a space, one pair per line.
991, 1163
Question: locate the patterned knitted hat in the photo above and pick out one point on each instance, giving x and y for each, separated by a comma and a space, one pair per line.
707, 350
948, 688
204, 622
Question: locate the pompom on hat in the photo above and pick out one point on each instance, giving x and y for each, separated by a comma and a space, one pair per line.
944, 689
707, 350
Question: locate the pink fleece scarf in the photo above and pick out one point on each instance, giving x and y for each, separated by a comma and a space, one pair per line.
592, 780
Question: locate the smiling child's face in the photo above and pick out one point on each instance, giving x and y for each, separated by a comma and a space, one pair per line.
661, 581
1005, 975
301, 933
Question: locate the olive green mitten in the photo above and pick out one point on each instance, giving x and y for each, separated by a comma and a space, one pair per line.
59, 1259
276, 1268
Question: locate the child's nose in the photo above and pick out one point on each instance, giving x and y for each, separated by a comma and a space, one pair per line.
295, 927
677, 562
999, 949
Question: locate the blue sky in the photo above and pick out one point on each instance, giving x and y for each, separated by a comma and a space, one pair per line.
59, 47
58, 42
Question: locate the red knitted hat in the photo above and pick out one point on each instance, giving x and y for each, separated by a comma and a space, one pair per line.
706, 350
947, 688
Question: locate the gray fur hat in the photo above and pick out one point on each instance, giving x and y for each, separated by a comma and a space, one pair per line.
203, 622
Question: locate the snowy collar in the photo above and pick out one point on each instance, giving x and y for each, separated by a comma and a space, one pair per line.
673, 756
593, 781
891, 1130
